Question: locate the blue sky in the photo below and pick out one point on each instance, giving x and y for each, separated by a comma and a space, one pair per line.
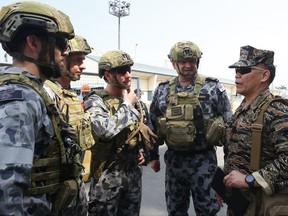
219, 28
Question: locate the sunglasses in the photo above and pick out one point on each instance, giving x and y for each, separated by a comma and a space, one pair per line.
61, 43
122, 70
243, 70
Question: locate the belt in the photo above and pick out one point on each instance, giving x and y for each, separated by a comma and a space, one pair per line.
190, 152
122, 166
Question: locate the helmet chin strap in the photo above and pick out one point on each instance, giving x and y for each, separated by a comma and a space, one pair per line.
48, 69
117, 84
187, 75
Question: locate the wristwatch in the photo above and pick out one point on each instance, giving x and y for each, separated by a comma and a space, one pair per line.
250, 180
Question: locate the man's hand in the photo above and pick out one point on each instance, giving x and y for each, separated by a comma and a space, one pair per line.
141, 158
129, 96
235, 179
155, 165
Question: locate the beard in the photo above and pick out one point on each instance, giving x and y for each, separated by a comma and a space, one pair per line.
50, 68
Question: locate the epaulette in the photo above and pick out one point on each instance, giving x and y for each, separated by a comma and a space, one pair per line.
211, 79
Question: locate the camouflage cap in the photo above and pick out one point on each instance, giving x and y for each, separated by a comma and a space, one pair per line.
114, 59
184, 50
79, 45
250, 56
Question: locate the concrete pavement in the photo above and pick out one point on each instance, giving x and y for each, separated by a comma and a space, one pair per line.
153, 191
153, 194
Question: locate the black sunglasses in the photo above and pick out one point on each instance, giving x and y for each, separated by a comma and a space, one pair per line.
122, 70
243, 70
61, 43
246, 70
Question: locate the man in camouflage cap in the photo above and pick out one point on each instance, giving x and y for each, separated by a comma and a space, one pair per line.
35, 35
180, 111
254, 72
67, 101
116, 156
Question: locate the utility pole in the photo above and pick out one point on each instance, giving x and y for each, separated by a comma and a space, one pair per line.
119, 9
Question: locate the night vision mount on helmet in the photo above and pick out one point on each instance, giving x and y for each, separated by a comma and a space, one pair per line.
184, 50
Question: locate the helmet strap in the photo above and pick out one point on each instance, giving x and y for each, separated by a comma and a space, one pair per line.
48, 69
116, 83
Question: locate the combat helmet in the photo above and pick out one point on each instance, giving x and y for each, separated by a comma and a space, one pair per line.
112, 60
36, 17
184, 50
76, 45
79, 45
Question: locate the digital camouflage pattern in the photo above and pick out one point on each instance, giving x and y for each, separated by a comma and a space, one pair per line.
184, 50
117, 192
68, 103
273, 173
121, 177
26, 132
199, 162
250, 56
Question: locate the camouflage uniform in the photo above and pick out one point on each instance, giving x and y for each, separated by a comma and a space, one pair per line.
273, 173
75, 113
26, 132
191, 171
31, 145
119, 133
274, 140
118, 190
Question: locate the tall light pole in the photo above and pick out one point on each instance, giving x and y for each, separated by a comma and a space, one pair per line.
119, 9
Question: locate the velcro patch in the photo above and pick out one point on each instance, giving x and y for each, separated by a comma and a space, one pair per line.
203, 97
8, 95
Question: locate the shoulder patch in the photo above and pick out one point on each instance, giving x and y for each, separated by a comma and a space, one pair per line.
211, 79
11, 95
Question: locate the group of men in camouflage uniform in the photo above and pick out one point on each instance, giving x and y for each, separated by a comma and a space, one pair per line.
45, 130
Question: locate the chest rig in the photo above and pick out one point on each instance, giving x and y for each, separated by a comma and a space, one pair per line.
46, 172
184, 118
69, 104
107, 152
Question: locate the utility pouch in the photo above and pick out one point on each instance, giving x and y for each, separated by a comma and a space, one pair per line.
181, 129
215, 133
85, 134
275, 205
66, 193
162, 127
70, 170
100, 153
180, 133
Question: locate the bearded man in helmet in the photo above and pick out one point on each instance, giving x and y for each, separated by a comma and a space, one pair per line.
35, 35
67, 101
181, 111
116, 156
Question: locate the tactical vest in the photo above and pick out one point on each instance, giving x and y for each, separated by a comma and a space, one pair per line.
47, 170
184, 117
69, 104
102, 150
